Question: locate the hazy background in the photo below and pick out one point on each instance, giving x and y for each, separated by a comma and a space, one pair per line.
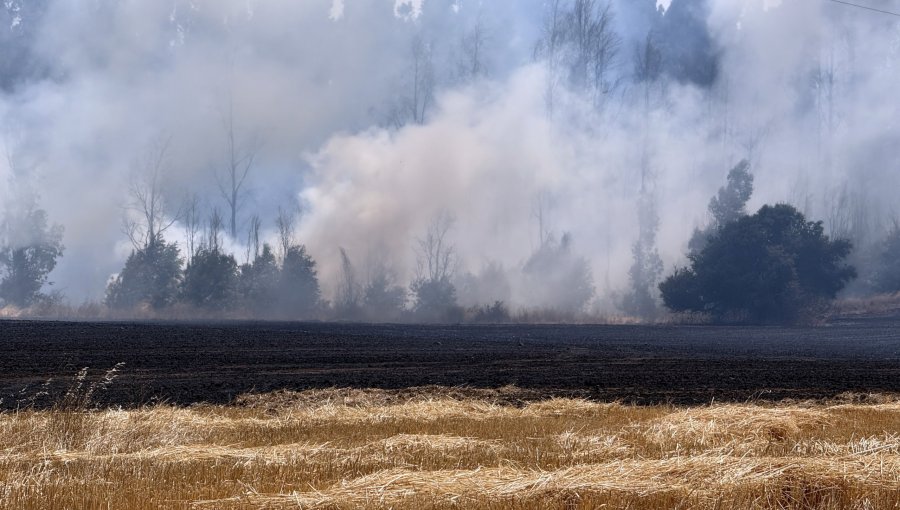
804, 89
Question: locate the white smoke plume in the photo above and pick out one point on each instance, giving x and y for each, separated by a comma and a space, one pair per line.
805, 89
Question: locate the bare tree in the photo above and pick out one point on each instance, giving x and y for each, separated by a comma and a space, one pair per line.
594, 45
215, 224
349, 290
239, 159
539, 209
435, 294
473, 64
253, 238
192, 223
647, 69
435, 255
422, 76
549, 48
148, 214
285, 224
580, 46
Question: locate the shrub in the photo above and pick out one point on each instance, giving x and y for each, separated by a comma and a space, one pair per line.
773, 266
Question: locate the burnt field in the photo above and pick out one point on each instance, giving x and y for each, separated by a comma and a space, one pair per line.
184, 363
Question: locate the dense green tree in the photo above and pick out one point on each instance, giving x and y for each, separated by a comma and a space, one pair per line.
298, 287
435, 299
151, 275
210, 280
773, 266
258, 284
383, 299
646, 267
729, 204
29, 247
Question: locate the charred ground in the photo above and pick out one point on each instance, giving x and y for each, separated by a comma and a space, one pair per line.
185, 363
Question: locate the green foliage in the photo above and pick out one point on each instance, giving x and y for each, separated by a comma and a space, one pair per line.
298, 286
647, 266
773, 266
210, 280
729, 204
258, 283
435, 299
151, 275
28, 253
382, 298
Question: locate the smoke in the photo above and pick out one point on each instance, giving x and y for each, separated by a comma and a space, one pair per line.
804, 89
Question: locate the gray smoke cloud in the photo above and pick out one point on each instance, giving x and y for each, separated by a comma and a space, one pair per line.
805, 89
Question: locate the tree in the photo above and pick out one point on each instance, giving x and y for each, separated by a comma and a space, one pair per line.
210, 280
420, 84
192, 223
239, 160
557, 278
211, 277
347, 302
593, 47
773, 266
435, 264
298, 286
258, 284
648, 65
647, 266
29, 248
473, 64
581, 47
383, 299
549, 48
148, 213
152, 275
285, 224
729, 204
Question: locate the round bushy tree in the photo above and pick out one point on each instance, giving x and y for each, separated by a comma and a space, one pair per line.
151, 275
299, 294
29, 248
210, 280
773, 266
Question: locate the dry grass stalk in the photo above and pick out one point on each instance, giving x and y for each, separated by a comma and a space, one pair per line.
443, 448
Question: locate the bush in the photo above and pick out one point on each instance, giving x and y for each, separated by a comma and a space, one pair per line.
495, 313
773, 266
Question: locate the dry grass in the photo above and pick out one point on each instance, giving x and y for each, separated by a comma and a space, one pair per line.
437, 448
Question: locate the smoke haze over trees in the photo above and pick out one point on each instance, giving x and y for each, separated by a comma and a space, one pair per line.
274, 153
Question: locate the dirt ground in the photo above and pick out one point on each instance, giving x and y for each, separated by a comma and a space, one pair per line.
185, 363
